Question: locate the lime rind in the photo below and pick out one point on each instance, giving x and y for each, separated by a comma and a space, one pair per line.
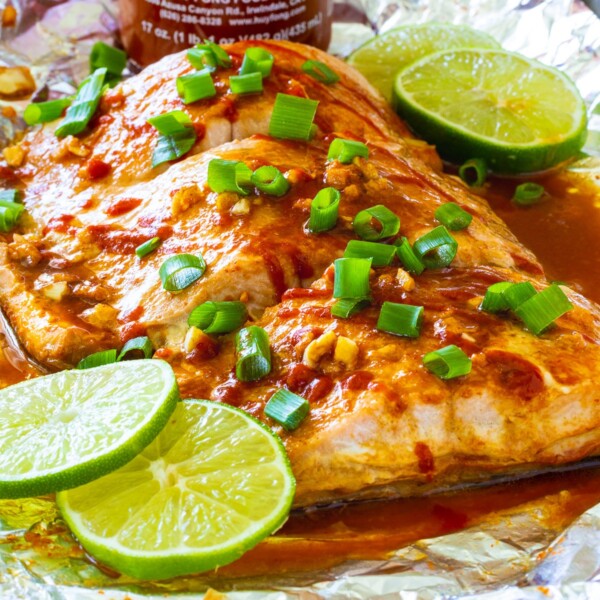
519, 115
63, 430
231, 492
380, 58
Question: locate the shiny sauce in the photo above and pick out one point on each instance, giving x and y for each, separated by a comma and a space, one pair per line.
562, 231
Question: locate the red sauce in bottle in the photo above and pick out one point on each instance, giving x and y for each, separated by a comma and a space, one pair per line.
151, 29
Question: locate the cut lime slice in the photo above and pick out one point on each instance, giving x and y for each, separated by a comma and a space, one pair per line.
211, 486
381, 57
519, 115
65, 429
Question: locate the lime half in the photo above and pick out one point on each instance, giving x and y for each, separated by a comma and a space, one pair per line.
65, 429
211, 486
519, 115
381, 57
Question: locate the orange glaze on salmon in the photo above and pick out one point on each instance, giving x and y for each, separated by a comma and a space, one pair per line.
71, 284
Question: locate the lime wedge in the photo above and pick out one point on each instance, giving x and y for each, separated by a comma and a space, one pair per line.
381, 57
519, 115
211, 486
65, 429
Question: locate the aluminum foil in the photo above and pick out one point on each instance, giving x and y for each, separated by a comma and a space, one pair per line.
526, 553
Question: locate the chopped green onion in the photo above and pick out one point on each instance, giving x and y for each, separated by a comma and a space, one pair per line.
221, 57
147, 247
10, 212
518, 293
346, 307
287, 409
346, 150
410, 261
44, 112
170, 122
386, 223
139, 344
401, 319
494, 300
251, 83
113, 59
10, 196
253, 354
453, 216
528, 193
436, 249
324, 210
474, 172
177, 136
448, 362
270, 180
84, 104
351, 278
229, 176
381, 254
202, 58
106, 357
292, 117
541, 310
257, 60
320, 71
218, 317
180, 271
195, 86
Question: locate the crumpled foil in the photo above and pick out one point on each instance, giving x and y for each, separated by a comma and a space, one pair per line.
526, 553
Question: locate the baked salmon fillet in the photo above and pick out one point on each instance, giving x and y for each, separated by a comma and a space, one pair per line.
380, 423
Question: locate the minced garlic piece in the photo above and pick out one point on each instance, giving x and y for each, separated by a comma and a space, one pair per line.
14, 155
226, 200
76, 146
346, 351
318, 348
405, 280
102, 316
185, 197
192, 338
242, 207
56, 291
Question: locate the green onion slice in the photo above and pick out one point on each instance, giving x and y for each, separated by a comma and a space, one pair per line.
202, 58
11, 196
351, 278
177, 136
320, 71
381, 254
346, 150
474, 172
324, 210
251, 83
180, 271
292, 117
453, 217
113, 59
44, 112
517, 293
221, 57
229, 176
218, 317
10, 212
147, 247
106, 357
541, 310
84, 104
195, 86
436, 249
346, 307
287, 409
138, 345
270, 180
376, 223
253, 354
494, 300
448, 362
528, 193
410, 261
401, 319
257, 60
